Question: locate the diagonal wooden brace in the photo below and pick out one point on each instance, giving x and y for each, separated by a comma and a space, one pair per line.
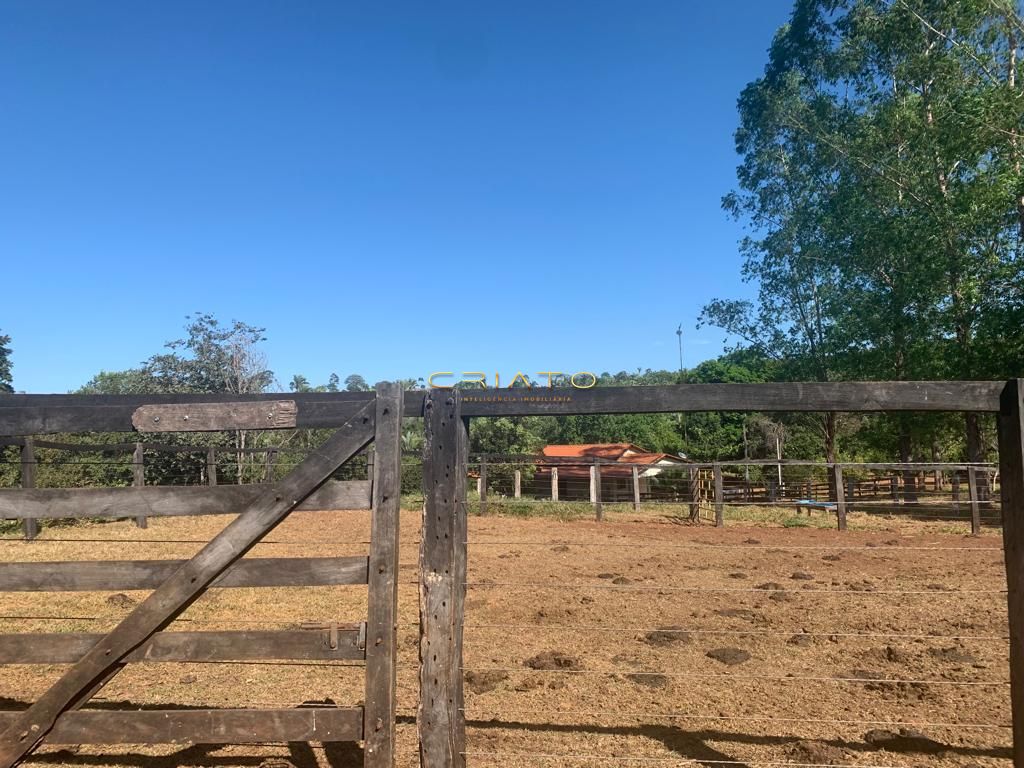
167, 602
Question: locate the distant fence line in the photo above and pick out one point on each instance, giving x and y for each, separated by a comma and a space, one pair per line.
933, 490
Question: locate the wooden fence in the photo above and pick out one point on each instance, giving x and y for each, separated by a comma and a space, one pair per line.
61, 714
933, 490
358, 420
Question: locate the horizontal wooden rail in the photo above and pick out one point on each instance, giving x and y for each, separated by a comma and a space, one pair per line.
48, 414
978, 396
166, 500
204, 726
41, 414
118, 575
305, 645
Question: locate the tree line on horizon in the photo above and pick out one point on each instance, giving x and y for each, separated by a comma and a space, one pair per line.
217, 358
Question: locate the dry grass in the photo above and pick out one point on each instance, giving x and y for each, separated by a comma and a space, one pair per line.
593, 594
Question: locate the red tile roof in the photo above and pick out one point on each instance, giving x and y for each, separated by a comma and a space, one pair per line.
615, 453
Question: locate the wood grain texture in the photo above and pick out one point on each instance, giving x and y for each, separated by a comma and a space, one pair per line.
184, 587
67, 648
972, 487
121, 575
441, 720
203, 726
167, 501
719, 496
49, 414
837, 476
42, 414
1011, 467
790, 396
215, 417
382, 616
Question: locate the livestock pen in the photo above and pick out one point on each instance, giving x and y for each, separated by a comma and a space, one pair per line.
537, 639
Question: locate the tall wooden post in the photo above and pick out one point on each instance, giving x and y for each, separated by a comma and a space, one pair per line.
382, 612
595, 489
719, 496
1011, 468
268, 466
28, 480
972, 482
837, 473
517, 484
636, 488
483, 485
211, 466
441, 721
694, 473
554, 483
139, 477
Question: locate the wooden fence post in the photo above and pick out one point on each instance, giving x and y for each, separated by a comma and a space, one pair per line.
211, 466
1011, 469
972, 482
28, 480
483, 485
595, 489
837, 473
694, 473
554, 483
636, 488
517, 484
719, 496
382, 610
268, 466
139, 478
441, 720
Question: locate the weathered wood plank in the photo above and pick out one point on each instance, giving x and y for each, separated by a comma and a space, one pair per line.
120, 575
636, 488
28, 482
441, 720
972, 482
788, 396
595, 490
39, 414
1011, 470
203, 726
215, 417
719, 496
307, 645
184, 587
382, 617
139, 478
837, 478
167, 501
48, 414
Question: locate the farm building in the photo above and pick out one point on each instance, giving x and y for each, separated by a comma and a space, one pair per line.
617, 460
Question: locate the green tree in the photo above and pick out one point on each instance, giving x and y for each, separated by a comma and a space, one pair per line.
6, 379
880, 173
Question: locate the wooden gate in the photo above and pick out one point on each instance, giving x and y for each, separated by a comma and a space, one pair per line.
59, 716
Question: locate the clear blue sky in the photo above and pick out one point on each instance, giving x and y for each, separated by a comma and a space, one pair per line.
389, 188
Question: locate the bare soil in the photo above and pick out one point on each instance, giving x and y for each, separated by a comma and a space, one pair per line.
591, 644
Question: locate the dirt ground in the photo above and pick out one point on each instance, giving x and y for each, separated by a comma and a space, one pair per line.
636, 641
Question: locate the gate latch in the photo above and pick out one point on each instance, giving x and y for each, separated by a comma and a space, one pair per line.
361, 639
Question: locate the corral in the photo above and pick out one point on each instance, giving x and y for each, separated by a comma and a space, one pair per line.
636, 640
